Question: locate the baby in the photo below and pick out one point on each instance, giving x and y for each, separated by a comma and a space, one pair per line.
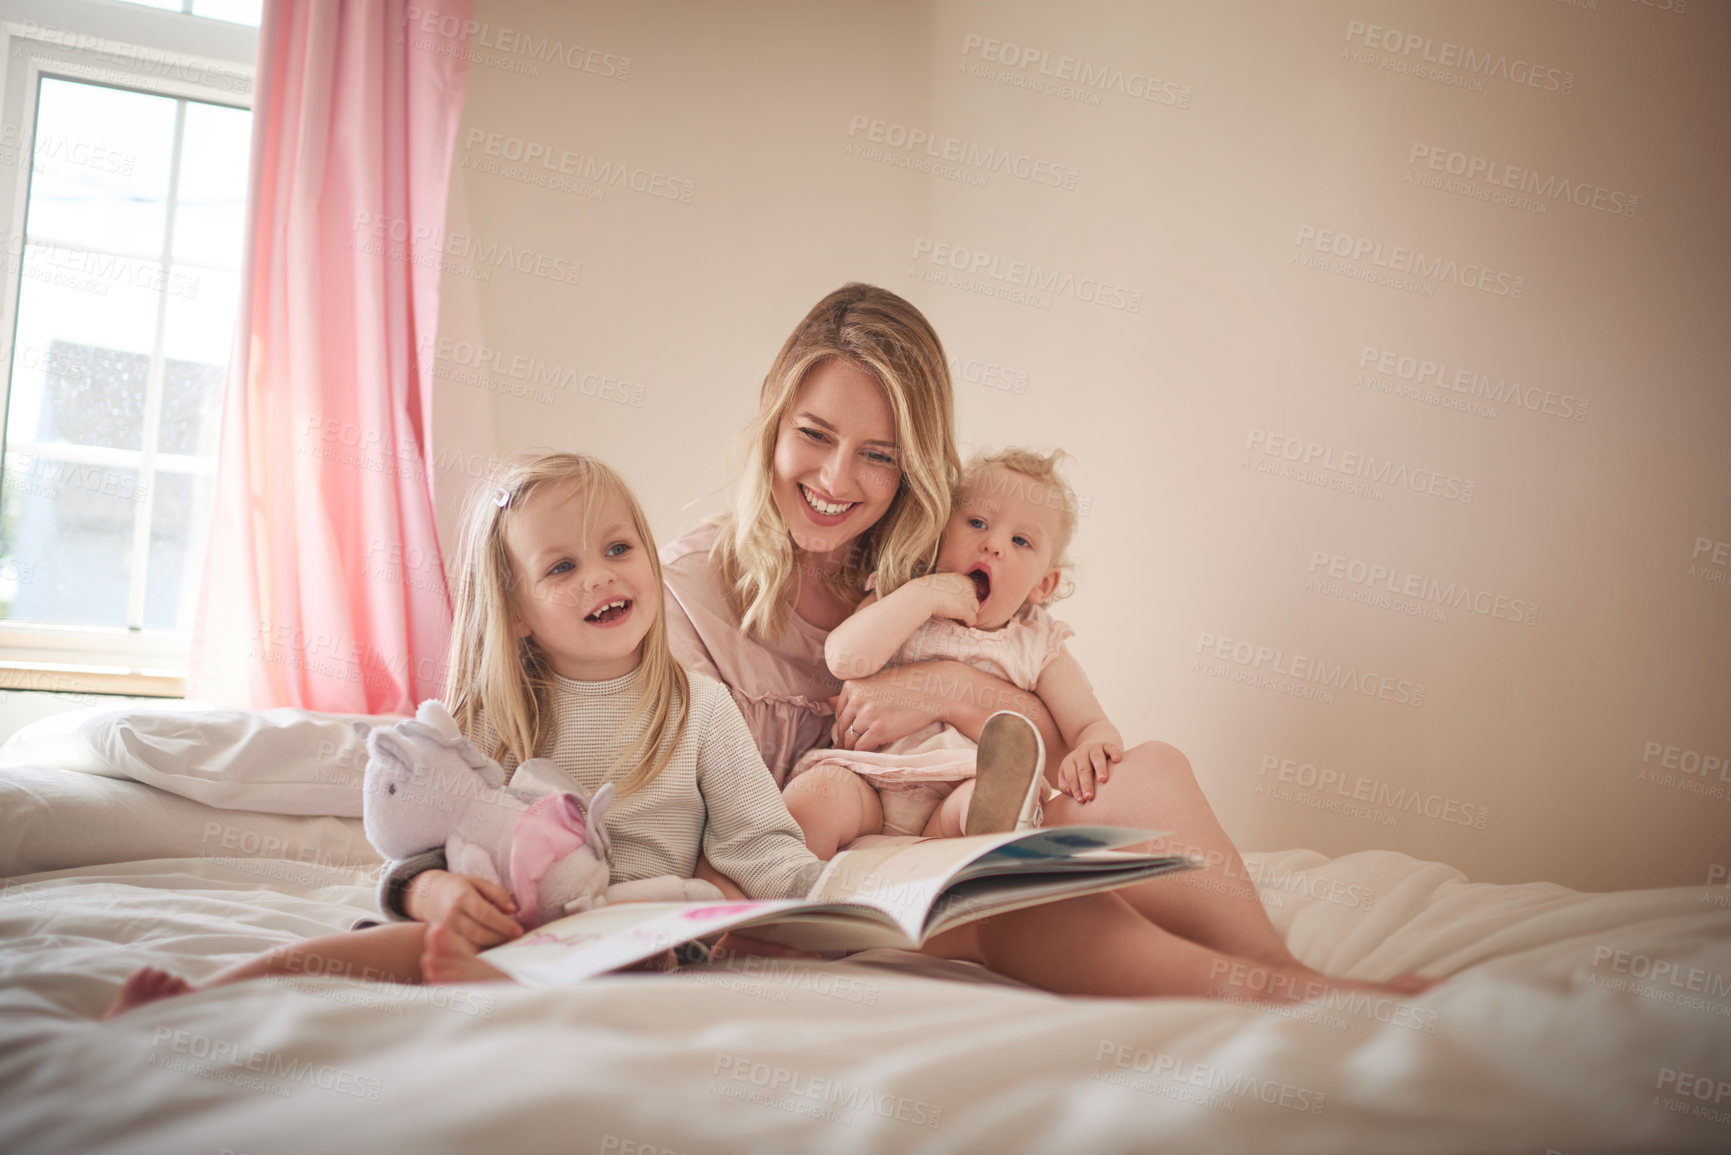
1000, 561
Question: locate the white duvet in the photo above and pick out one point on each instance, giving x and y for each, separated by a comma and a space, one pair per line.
1571, 1023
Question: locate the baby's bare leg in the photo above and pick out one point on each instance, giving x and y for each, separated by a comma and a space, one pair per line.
833, 806
950, 819
390, 954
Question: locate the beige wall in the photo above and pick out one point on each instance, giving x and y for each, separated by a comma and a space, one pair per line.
1187, 276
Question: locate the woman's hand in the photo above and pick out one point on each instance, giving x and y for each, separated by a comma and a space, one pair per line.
870, 713
475, 909
894, 703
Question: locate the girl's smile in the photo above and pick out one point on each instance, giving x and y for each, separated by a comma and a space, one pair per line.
610, 613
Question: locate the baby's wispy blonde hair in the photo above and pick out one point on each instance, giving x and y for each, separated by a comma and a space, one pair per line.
1044, 485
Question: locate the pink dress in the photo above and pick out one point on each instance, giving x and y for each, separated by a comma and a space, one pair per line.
912, 775
783, 686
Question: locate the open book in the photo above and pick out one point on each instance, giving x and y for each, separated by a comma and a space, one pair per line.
896, 895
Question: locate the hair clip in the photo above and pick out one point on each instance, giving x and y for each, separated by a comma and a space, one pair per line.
502, 498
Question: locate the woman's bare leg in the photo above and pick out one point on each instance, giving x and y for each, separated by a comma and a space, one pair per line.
388, 954
833, 806
1096, 944
1217, 907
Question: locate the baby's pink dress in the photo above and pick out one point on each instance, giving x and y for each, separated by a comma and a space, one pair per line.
912, 775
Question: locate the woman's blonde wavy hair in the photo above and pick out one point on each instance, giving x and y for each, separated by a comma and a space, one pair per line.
876, 331
504, 682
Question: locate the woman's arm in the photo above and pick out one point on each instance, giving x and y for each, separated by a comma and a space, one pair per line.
894, 703
1094, 742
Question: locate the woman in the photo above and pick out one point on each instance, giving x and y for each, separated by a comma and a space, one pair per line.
853, 460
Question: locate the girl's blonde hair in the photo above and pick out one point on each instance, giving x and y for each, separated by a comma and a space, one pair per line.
874, 330
1046, 487
506, 680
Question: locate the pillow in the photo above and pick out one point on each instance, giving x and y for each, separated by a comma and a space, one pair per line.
283, 761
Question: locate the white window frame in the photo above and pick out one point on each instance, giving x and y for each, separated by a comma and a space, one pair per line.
149, 50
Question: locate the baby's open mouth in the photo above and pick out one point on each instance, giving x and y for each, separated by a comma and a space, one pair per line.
982, 583
612, 611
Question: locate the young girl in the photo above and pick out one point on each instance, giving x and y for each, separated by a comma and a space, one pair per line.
1000, 562
559, 648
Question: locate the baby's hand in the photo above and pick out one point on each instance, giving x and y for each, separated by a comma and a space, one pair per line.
951, 595
473, 908
1086, 765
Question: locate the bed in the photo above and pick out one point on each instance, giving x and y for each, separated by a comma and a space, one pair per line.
189, 838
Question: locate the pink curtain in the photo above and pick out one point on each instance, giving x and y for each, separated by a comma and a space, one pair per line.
323, 585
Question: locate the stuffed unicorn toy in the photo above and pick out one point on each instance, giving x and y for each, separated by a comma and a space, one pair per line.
539, 837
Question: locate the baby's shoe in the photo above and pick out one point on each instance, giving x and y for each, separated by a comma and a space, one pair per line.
1007, 776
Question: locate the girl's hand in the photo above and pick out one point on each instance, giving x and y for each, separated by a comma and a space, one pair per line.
475, 909
1086, 766
951, 595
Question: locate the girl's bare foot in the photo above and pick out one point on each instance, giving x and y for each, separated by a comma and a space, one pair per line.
146, 985
450, 958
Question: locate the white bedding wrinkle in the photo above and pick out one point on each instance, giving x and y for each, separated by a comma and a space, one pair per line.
1574, 1022
284, 761
53, 820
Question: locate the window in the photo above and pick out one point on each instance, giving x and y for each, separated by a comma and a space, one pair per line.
123, 166
235, 11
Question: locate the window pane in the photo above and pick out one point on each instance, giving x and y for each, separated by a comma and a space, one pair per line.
178, 523
191, 408
201, 313
79, 317
103, 158
69, 528
236, 11
91, 395
196, 345
210, 209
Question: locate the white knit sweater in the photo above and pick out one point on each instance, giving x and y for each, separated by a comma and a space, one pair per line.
714, 797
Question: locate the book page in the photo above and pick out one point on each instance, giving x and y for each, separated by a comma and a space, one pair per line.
580, 946
974, 898
904, 880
